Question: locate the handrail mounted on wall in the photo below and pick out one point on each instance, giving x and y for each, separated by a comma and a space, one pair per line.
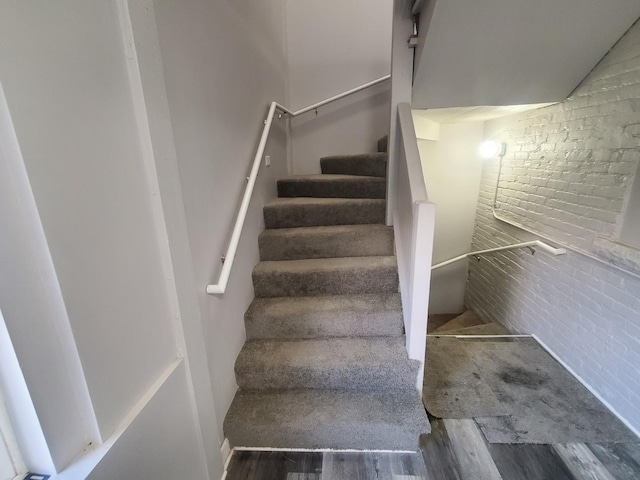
531, 244
220, 287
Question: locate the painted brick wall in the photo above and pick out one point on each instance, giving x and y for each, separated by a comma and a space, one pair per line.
567, 174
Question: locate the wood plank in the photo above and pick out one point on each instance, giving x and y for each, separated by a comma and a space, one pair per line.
528, 461
582, 462
352, 465
274, 465
408, 466
617, 459
440, 460
473, 456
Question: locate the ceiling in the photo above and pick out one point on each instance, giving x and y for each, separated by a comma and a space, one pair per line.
474, 114
512, 52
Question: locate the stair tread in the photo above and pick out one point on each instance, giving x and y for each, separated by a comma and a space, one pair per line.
466, 319
326, 419
325, 242
378, 314
324, 352
315, 211
326, 305
346, 363
484, 329
326, 264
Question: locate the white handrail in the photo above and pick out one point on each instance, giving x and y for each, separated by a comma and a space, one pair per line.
533, 243
334, 98
220, 287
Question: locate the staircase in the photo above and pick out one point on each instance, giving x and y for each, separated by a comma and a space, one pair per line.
325, 364
467, 323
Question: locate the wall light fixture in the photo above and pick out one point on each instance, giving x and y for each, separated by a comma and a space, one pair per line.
490, 149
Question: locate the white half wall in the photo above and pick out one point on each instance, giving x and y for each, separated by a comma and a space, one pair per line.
333, 46
452, 171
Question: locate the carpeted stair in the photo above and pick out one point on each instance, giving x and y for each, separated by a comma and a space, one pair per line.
325, 364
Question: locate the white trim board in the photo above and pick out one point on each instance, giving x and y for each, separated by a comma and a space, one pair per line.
321, 450
587, 386
89, 459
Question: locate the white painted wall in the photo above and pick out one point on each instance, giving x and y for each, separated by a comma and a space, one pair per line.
333, 46
501, 52
224, 64
174, 452
63, 71
452, 171
92, 260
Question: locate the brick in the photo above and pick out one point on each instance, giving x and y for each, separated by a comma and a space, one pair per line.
573, 169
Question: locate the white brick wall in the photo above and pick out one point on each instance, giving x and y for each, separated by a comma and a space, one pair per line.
567, 171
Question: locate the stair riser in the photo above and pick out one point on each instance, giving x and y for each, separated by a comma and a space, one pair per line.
324, 326
333, 420
290, 216
274, 246
357, 378
374, 436
373, 165
309, 284
334, 189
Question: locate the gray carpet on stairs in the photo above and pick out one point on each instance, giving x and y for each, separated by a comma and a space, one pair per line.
326, 242
311, 212
332, 186
367, 164
345, 363
326, 419
325, 363
516, 392
361, 315
325, 276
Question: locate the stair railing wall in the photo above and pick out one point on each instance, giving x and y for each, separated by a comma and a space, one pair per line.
220, 287
414, 222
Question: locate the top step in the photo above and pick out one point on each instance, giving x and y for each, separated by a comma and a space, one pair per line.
366, 164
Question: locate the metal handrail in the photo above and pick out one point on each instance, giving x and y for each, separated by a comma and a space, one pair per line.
534, 243
220, 287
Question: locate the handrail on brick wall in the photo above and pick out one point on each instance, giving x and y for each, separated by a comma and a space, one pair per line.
220, 287
534, 243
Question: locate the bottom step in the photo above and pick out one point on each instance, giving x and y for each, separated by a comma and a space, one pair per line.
326, 420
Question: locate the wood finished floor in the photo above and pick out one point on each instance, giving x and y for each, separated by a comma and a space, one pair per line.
455, 450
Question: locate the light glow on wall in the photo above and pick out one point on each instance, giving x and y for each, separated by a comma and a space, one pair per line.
490, 149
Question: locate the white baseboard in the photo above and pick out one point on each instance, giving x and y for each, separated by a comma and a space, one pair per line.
587, 386
281, 449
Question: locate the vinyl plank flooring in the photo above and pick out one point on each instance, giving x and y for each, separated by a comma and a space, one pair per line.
582, 462
352, 465
440, 460
274, 465
408, 466
632, 449
473, 456
617, 459
528, 462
